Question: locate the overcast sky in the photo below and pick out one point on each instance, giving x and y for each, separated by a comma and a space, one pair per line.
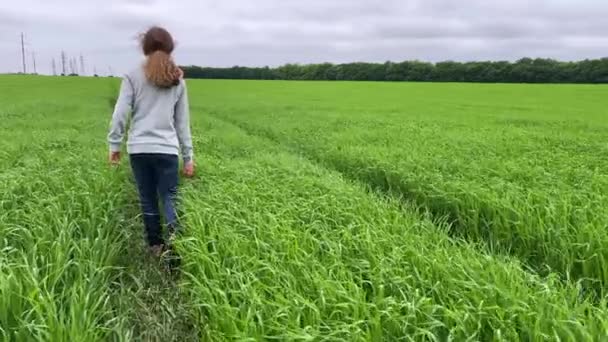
272, 32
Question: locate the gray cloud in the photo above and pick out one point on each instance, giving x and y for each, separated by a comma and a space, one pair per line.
272, 32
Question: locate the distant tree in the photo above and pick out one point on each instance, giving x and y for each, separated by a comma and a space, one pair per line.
525, 70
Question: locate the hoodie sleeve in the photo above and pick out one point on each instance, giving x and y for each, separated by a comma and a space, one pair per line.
182, 125
124, 104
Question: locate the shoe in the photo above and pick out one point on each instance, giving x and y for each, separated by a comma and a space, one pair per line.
157, 250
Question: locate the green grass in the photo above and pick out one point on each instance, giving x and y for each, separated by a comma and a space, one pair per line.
521, 169
72, 267
322, 211
281, 248
59, 223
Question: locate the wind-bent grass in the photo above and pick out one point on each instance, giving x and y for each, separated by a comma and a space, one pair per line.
281, 249
520, 168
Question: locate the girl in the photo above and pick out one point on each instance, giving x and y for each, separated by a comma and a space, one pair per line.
156, 94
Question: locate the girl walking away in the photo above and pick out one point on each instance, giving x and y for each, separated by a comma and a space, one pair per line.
156, 95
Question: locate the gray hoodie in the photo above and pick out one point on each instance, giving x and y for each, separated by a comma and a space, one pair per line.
160, 121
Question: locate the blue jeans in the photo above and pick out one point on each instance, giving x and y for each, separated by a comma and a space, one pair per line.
156, 175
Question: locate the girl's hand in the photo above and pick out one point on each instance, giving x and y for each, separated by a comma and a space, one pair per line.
114, 158
189, 169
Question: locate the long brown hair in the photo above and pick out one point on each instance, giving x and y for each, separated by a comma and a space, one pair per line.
160, 69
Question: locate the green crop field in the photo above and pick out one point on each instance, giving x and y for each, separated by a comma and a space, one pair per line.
320, 212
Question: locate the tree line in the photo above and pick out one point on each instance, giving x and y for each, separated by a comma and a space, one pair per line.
525, 70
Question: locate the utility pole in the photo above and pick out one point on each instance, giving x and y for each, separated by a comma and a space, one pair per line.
110, 69
23, 53
34, 61
63, 60
54, 67
82, 69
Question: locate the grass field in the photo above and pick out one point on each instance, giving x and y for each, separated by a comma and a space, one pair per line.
321, 211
